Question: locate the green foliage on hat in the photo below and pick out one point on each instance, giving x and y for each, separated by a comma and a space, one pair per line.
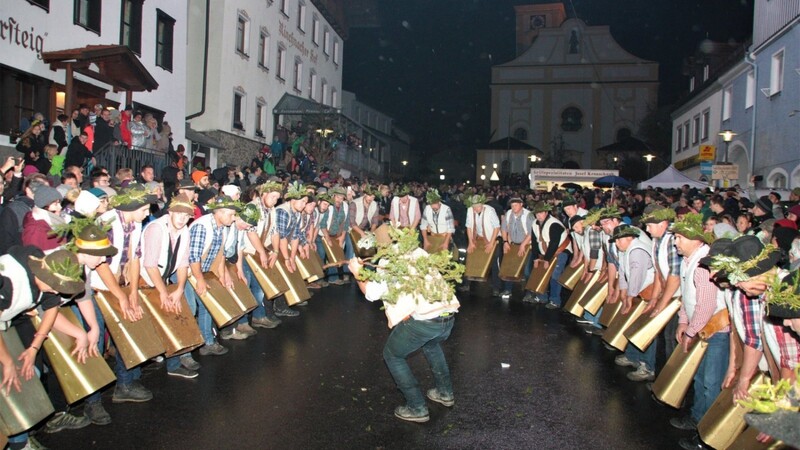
324, 198
223, 201
402, 190
593, 217
610, 212
736, 268
691, 226
295, 191
133, 195
477, 199
65, 268
542, 207
270, 186
427, 277
780, 293
369, 190
75, 227
658, 215
432, 196
250, 214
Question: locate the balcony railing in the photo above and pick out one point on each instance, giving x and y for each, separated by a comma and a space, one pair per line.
115, 157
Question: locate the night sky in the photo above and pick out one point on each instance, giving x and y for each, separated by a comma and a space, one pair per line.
428, 65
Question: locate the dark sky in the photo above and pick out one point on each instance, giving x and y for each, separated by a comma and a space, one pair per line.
428, 65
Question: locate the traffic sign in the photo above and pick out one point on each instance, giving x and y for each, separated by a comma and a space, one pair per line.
706, 167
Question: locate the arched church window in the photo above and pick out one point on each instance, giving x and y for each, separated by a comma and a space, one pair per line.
623, 133
574, 43
521, 134
571, 119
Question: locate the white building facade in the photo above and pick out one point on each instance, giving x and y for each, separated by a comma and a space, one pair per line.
153, 30
244, 56
571, 87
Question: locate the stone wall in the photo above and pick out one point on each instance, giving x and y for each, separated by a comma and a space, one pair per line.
236, 150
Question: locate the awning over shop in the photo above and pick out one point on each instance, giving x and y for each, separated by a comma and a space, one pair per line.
202, 139
293, 105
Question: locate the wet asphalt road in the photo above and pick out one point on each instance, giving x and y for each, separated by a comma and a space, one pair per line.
318, 381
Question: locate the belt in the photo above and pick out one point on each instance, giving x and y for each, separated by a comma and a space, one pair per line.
443, 318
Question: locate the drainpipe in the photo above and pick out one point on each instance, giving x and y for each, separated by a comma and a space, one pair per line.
205, 68
750, 60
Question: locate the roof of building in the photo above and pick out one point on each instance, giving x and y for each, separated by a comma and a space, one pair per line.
116, 65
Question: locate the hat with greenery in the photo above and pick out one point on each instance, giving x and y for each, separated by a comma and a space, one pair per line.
270, 186
783, 296
369, 190
224, 202
295, 191
593, 217
408, 270
181, 204
624, 230
568, 200
690, 226
432, 196
402, 190
477, 199
541, 207
60, 270
610, 212
324, 198
87, 235
749, 257
655, 213
250, 214
132, 198
337, 190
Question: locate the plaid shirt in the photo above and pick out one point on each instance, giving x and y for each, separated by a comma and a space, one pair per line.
288, 226
787, 343
672, 254
595, 242
197, 237
753, 318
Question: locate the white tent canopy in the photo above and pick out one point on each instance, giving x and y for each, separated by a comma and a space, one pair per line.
671, 178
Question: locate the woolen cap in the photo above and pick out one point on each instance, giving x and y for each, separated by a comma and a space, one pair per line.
45, 196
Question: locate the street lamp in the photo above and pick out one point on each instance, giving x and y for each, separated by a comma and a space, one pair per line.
649, 159
727, 137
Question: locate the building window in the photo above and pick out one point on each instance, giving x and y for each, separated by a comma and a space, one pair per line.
776, 73
315, 29
263, 49
571, 119
686, 135
324, 91
131, 26
696, 129
298, 74
260, 107
285, 7
312, 85
691, 84
165, 26
679, 139
326, 42
521, 134
727, 99
705, 73
706, 124
334, 97
336, 51
301, 17
281, 62
238, 112
242, 28
623, 134
750, 95
88, 14
44, 4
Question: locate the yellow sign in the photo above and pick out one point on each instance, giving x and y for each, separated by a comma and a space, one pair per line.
707, 152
